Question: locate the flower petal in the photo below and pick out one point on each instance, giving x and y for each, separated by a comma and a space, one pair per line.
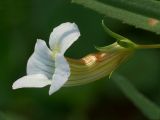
37, 80
41, 61
61, 75
63, 37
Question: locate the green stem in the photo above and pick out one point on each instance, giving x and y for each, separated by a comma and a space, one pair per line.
148, 46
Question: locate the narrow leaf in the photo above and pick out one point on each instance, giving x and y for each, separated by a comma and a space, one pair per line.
131, 18
148, 108
145, 7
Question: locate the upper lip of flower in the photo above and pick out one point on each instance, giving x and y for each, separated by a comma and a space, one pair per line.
47, 66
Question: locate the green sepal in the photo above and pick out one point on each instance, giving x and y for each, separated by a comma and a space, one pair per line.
122, 41
127, 44
108, 48
110, 74
111, 33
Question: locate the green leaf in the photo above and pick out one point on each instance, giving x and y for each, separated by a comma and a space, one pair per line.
148, 108
2, 116
131, 18
145, 7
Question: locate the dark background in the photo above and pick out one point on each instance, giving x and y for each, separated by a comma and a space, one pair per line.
23, 21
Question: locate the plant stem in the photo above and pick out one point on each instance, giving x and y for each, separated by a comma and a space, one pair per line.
148, 46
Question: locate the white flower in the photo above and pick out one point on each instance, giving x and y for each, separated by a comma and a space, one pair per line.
49, 66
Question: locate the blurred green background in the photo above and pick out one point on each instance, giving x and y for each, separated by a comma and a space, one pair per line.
23, 21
